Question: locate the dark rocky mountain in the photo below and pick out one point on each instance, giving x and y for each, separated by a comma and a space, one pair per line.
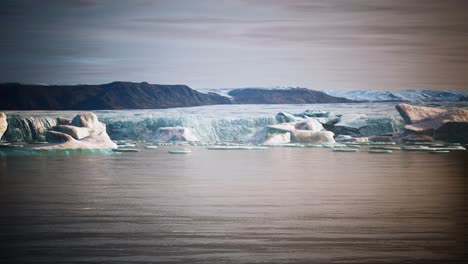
283, 96
116, 95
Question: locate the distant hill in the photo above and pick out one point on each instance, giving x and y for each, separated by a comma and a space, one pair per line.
401, 95
116, 95
282, 96
129, 95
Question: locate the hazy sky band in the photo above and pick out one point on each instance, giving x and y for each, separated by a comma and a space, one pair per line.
340, 44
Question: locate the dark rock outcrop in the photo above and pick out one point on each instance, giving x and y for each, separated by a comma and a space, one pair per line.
388, 138
116, 95
281, 96
452, 132
412, 114
435, 123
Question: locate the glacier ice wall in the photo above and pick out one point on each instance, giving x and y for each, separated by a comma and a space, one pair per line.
206, 129
32, 129
212, 123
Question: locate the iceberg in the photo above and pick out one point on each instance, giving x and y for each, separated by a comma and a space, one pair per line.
310, 124
312, 137
264, 136
3, 124
273, 134
168, 134
86, 132
285, 117
361, 125
309, 131
323, 117
74, 131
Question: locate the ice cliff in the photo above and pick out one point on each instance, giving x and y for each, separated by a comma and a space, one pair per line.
175, 134
214, 124
203, 129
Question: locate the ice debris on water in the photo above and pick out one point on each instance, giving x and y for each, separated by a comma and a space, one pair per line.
180, 151
380, 151
342, 149
237, 148
126, 150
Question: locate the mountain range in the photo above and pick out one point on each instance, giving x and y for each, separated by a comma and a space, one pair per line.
115, 95
130, 95
282, 96
414, 96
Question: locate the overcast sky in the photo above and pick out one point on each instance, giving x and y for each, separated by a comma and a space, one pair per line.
332, 44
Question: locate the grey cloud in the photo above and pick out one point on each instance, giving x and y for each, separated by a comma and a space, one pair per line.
208, 20
73, 3
91, 40
362, 6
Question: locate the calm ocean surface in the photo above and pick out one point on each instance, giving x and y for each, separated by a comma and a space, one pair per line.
281, 205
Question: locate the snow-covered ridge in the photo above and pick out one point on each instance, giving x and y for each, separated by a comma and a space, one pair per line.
225, 91
415, 96
401, 95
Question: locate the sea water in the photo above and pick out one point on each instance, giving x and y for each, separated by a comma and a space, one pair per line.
279, 205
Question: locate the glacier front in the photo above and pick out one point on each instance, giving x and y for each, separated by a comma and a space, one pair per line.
215, 123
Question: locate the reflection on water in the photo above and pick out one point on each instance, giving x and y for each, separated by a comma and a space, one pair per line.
53, 152
281, 205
